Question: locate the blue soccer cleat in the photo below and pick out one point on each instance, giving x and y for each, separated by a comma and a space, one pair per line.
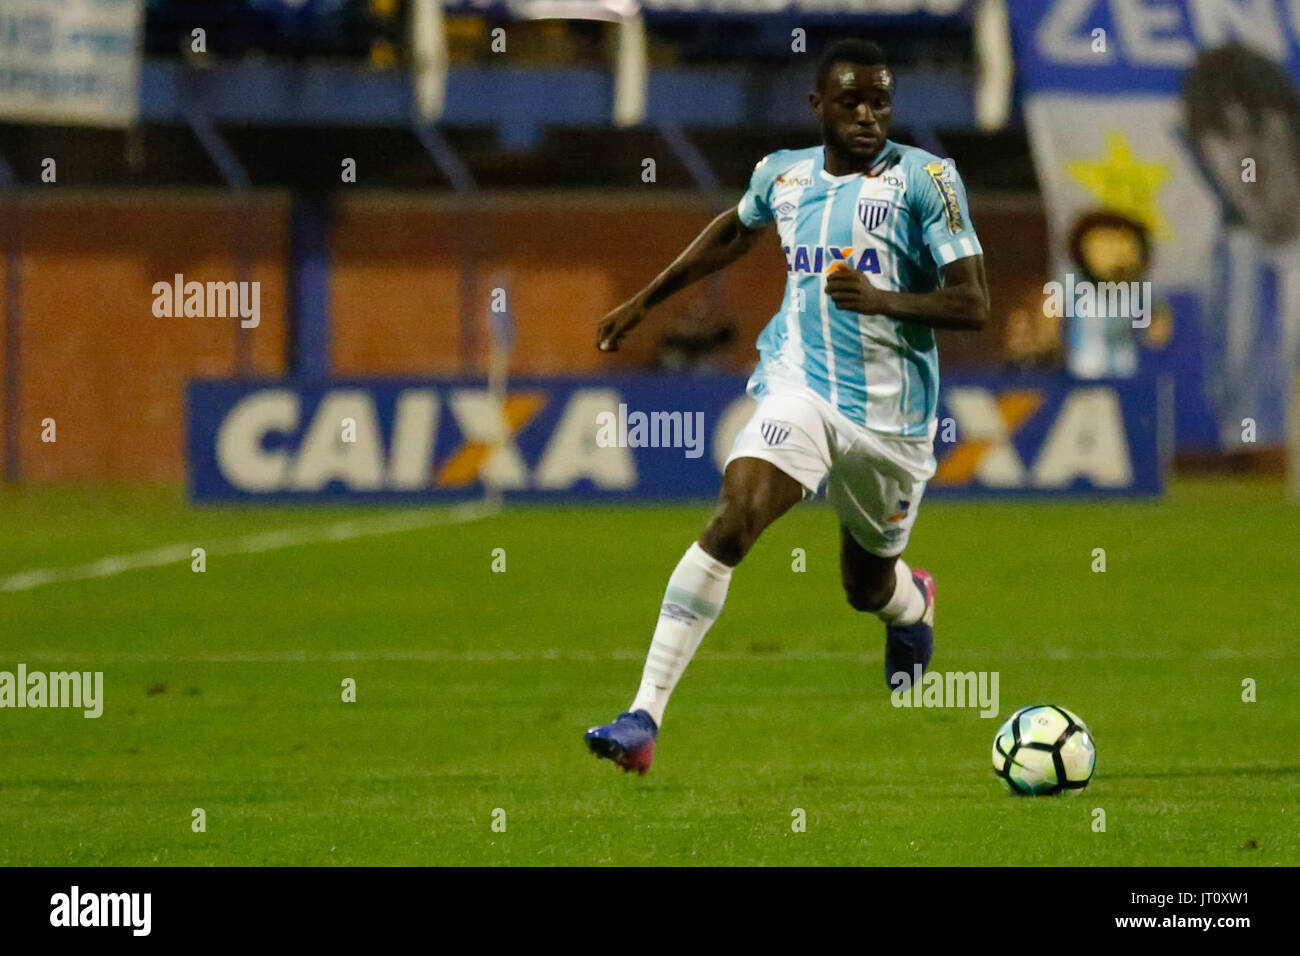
629, 741
909, 645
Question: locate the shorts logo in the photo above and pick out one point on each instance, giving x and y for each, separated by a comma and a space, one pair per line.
774, 432
872, 212
901, 513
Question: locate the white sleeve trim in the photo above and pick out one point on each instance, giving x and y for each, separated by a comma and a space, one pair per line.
960, 247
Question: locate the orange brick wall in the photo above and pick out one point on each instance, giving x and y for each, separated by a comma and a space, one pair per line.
95, 359
93, 355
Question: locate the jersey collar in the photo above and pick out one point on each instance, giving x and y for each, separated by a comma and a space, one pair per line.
888, 156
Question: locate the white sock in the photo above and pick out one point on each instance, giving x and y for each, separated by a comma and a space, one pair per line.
692, 602
908, 603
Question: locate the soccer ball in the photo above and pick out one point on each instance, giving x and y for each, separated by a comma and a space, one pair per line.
1044, 749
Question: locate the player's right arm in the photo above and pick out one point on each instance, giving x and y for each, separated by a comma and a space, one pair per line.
722, 242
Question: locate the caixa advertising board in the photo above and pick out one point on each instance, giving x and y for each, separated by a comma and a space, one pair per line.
629, 438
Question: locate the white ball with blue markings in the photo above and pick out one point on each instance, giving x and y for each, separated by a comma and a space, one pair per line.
1044, 749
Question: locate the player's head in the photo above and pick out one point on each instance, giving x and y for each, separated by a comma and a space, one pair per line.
1240, 105
854, 98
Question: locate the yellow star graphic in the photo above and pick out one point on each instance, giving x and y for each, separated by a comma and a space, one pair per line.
1125, 184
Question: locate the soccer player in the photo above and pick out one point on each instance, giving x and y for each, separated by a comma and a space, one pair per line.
880, 252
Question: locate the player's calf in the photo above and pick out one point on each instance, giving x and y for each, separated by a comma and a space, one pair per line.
734, 528
904, 599
870, 598
869, 580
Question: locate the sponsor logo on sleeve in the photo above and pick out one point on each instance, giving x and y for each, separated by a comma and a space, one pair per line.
943, 177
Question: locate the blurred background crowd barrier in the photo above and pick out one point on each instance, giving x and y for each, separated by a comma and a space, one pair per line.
387, 170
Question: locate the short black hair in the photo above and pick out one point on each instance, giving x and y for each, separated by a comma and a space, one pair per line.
860, 52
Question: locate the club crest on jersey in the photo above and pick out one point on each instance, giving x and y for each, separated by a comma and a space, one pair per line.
817, 259
872, 212
774, 432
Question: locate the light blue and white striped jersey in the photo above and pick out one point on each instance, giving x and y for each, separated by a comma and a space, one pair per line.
899, 223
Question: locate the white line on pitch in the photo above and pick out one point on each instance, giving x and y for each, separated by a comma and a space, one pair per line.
568, 655
256, 543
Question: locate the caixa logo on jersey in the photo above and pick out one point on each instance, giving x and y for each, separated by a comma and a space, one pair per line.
817, 259
451, 440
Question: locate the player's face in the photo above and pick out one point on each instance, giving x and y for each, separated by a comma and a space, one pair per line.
855, 104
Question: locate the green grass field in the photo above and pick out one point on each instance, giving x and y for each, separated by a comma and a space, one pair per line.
223, 689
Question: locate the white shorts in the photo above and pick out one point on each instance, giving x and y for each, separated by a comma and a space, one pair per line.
873, 481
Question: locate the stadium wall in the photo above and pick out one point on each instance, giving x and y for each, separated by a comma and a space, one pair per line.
94, 357
91, 354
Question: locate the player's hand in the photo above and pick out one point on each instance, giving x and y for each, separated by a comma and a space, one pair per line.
851, 290
619, 323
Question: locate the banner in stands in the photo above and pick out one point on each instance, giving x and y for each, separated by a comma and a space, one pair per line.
70, 61
1183, 116
840, 9
636, 437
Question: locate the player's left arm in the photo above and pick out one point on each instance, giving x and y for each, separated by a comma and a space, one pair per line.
937, 198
